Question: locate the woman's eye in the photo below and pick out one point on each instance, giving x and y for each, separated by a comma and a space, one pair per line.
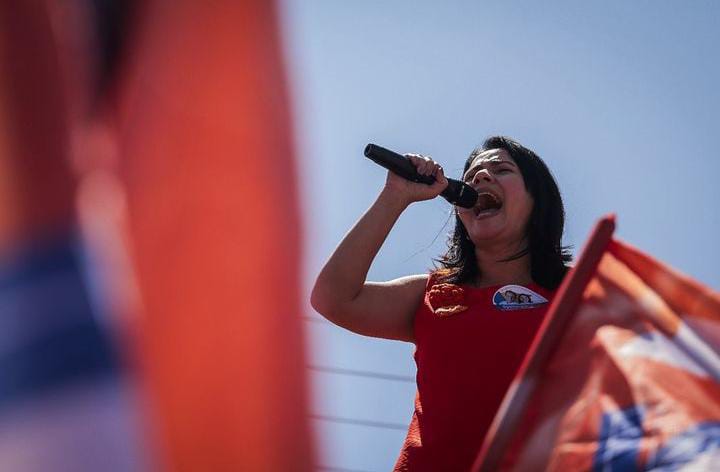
504, 170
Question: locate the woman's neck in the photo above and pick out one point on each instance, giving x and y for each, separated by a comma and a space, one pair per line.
496, 271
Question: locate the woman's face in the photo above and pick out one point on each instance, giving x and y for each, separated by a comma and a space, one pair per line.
504, 204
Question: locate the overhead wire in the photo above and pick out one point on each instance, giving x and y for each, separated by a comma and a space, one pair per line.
359, 374
359, 422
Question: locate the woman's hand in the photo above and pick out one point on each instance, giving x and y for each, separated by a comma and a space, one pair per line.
409, 192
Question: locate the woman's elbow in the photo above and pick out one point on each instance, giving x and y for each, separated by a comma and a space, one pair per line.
319, 300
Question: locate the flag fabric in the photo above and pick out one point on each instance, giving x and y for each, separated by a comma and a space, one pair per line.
208, 168
632, 381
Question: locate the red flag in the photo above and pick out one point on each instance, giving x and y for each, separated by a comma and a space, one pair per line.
631, 382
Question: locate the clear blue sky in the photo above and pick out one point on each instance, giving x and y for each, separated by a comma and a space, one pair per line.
620, 98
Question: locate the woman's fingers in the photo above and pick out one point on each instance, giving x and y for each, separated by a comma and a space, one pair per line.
417, 191
440, 175
424, 164
440, 180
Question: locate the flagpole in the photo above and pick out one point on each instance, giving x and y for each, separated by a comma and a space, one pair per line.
559, 314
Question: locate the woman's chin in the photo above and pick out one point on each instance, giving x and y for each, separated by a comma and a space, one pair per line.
486, 235
486, 227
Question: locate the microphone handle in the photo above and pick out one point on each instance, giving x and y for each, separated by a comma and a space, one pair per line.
396, 163
457, 193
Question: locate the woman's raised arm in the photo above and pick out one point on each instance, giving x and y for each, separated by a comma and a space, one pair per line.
341, 293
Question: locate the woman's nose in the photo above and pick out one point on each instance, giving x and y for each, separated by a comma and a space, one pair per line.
483, 175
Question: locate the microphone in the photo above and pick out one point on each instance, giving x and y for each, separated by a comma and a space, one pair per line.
457, 193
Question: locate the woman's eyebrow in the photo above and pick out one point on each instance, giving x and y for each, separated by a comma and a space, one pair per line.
491, 162
500, 161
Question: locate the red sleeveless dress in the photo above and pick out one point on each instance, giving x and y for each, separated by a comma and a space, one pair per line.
468, 350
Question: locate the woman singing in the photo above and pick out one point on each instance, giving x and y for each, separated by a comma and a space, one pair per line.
472, 319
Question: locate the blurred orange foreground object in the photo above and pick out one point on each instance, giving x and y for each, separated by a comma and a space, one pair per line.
207, 159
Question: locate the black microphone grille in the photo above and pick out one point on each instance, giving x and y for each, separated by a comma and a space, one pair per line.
460, 194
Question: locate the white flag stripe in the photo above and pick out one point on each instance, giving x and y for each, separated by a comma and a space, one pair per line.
658, 347
702, 353
685, 351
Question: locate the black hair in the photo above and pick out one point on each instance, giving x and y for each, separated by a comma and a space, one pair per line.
548, 258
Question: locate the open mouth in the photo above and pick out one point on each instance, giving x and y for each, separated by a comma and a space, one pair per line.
487, 203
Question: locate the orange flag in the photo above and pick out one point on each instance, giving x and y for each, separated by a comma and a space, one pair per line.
207, 161
624, 375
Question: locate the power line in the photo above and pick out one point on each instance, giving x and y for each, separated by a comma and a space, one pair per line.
357, 422
338, 469
362, 373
